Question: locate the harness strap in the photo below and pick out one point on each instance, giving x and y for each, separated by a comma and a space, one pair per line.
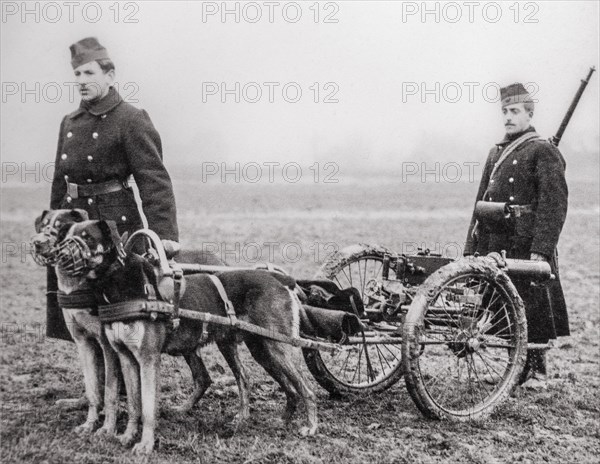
177, 277
223, 294
149, 290
133, 309
78, 299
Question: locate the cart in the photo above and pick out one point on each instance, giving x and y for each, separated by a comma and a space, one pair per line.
455, 329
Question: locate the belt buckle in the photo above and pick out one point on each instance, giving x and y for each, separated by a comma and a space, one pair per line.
72, 190
517, 211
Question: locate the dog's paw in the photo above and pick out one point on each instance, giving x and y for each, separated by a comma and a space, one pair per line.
84, 429
106, 431
126, 439
308, 431
143, 447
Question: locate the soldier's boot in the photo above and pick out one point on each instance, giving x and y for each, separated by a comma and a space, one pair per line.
535, 372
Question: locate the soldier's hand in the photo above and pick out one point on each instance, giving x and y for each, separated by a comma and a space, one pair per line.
171, 248
537, 257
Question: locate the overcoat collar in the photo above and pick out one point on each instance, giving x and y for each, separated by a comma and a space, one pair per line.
99, 107
510, 137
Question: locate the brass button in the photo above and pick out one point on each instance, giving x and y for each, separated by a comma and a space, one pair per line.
63, 156
89, 181
103, 116
90, 201
69, 199
90, 158
123, 218
69, 134
511, 180
511, 198
95, 135
492, 181
514, 161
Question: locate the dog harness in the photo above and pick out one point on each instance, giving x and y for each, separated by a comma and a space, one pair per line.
151, 307
141, 308
79, 299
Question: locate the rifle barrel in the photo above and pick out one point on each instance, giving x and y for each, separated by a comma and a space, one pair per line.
555, 139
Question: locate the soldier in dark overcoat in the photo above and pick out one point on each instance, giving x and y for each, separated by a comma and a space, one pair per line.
528, 173
100, 145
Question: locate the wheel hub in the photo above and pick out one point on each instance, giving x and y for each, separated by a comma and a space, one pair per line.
473, 344
466, 343
373, 290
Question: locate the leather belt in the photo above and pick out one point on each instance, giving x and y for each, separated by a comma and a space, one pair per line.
90, 190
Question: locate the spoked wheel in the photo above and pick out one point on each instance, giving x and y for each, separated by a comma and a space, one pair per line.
364, 367
464, 341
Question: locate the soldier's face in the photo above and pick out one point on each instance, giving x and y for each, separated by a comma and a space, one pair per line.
516, 119
93, 82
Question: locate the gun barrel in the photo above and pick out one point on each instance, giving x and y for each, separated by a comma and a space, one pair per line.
561, 130
535, 270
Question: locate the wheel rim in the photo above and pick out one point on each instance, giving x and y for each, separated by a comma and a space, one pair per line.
365, 365
467, 344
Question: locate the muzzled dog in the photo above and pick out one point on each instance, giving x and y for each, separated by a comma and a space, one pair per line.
51, 227
77, 301
48, 248
257, 297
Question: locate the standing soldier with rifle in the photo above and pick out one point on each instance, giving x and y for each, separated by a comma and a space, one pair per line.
521, 207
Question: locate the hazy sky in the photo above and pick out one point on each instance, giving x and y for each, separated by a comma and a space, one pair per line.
375, 60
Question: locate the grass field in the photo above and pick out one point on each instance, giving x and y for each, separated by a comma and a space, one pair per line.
296, 225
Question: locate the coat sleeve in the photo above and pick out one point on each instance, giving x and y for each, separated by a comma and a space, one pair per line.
471, 242
59, 188
144, 154
552, 199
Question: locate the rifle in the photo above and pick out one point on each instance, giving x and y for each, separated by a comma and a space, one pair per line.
555, 139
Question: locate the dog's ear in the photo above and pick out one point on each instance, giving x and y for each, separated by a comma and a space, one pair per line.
79, 215
40, 219
110, 231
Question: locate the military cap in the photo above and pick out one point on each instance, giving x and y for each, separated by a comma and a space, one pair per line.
514, 93
86, 50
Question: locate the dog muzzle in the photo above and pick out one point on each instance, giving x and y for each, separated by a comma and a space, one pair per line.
43, 249
74, 256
